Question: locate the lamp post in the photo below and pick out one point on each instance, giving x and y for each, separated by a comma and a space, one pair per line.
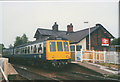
89, 35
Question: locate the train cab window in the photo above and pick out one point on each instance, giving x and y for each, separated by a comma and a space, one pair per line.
52, 46
35, 49
72, 47
59, 46
78, 47
66, 46
40, 48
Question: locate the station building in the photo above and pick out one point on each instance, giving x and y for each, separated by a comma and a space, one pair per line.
100, 37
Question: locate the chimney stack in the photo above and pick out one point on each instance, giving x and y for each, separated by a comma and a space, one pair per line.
70, 28
55, 27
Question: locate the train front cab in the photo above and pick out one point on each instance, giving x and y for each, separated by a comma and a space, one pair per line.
58, 51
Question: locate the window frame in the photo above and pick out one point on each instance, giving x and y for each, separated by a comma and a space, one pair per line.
65, 47
58, 47
55, 49
78, 46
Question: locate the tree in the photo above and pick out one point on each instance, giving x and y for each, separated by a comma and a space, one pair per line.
18, 41
116, 41
1, 48
10, 46
24, 38
21, 40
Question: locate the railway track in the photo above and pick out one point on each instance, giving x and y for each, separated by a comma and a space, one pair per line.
32, 73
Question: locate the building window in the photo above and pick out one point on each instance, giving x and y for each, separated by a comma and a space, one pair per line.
78, 47
52, 46
66, 46
59, 46
72, 47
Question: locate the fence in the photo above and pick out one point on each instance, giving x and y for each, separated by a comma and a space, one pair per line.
94, 56
3, 69
98, 56
113, 57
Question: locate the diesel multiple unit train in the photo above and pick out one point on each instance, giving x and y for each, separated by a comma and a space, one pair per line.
53, 51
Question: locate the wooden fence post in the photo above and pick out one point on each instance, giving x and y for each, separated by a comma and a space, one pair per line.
104, 56
75, 54
81, 55
115, 54
93, 56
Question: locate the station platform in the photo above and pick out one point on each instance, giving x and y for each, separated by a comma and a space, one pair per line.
98, 68
11, 70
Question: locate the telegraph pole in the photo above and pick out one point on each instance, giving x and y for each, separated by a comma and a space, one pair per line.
89, 36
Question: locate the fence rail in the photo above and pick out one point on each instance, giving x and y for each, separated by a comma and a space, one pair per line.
3, 68
94, 56
98, 56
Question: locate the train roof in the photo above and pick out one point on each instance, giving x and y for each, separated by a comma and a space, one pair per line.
42, 40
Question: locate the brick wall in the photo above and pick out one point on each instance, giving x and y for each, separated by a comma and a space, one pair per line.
96, 40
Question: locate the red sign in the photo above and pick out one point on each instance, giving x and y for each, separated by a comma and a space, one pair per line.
105, 42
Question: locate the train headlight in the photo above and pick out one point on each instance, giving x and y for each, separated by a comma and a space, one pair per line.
67, 56
53, 56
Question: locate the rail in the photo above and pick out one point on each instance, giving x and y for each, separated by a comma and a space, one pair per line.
4, 74
3, 68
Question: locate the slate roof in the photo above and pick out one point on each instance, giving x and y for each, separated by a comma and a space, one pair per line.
50, 32
79, 35
73, 37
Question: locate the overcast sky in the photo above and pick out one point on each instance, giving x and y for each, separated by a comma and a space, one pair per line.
17, 18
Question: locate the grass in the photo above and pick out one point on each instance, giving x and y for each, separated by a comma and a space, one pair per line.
110, 65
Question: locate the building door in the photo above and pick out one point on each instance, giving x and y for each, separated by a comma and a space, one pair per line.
78, 56
78, 53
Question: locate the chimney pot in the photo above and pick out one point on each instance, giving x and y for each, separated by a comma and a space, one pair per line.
70, 28
55, 27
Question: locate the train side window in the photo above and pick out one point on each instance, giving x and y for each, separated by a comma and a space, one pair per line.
59, 46
31, 49
28, 49
52, 46
35, 49
40, 48
66, 46
25, 50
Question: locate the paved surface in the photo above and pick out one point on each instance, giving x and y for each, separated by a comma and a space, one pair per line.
11, 70
94, 67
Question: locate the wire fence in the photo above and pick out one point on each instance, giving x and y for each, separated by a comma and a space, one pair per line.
113, 57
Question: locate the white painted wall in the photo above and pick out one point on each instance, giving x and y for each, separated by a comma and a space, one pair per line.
82, 42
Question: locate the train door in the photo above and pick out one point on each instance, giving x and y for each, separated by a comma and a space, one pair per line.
78, 56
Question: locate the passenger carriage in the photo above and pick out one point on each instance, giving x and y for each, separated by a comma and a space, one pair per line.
53, 51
